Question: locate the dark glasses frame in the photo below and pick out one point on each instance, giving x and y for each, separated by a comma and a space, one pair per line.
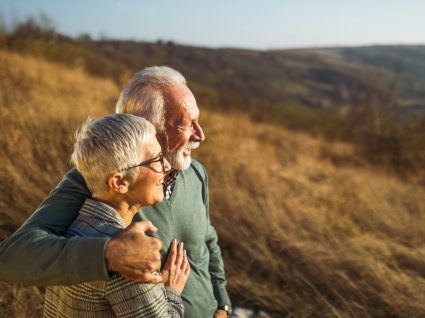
147, 164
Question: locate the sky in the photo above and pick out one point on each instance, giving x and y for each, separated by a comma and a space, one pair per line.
254, 24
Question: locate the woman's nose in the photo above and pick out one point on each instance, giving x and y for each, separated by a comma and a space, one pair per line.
167, 165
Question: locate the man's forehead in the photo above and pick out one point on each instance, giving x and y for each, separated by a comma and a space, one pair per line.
182, 101
191, 107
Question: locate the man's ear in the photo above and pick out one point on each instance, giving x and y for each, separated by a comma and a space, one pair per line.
117, 182
162, 138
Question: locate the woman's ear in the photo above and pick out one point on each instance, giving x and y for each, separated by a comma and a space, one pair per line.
117, 182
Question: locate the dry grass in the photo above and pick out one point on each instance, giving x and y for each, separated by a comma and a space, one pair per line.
307, 229
41, 105
305, 234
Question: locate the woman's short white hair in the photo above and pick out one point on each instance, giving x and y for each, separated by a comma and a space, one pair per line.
109, 144
143, 95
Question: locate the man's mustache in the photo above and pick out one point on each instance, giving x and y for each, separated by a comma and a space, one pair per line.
192, 144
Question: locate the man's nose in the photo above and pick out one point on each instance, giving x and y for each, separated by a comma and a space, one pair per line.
197, 133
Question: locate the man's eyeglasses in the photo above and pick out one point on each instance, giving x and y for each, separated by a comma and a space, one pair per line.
148, 163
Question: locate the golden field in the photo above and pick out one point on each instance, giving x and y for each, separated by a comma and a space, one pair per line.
307, 228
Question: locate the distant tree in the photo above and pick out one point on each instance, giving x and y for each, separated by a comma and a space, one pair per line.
3, 31
42, 26
46, 23
2, 23
84, 37
103, 36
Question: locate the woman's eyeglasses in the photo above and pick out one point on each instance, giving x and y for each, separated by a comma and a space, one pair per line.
148, 164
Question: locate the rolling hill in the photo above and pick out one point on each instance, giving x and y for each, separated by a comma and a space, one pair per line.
327, 79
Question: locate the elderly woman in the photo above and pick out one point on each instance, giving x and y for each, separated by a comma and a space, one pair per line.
122, 164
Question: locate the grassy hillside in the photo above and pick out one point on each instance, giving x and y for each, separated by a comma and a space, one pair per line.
409, 59
307, 227
41, 104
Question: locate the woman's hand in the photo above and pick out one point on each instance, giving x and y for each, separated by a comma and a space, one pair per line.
176, 270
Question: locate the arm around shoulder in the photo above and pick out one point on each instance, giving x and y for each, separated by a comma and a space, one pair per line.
54, 259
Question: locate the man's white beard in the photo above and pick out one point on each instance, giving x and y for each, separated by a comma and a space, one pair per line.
177, 159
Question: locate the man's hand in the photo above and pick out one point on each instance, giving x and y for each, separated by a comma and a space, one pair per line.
220, 313
135, 255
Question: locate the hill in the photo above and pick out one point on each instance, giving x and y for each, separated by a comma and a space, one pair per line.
308, 228
325, 78
372, 97
409, 61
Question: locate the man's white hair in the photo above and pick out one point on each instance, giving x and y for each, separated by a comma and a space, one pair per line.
109, 144
143, 95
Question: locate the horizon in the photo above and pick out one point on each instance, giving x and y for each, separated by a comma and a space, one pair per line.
249, 25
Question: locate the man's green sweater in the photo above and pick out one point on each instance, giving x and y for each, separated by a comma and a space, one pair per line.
39, 254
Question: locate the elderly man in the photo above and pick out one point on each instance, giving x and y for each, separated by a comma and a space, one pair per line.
160, 95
